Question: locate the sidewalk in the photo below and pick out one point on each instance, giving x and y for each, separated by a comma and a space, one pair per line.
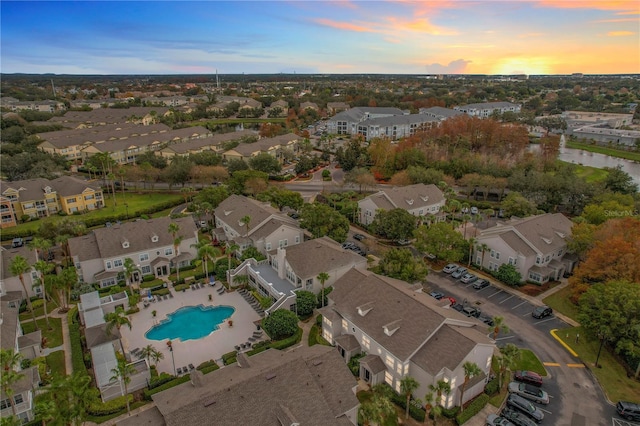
66, 341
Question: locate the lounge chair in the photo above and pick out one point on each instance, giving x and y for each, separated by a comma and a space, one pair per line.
237, 347
184, 370
159, 298
179, 371
191, 367
170, 295
257, 333
251, 339
165, 297
193, 287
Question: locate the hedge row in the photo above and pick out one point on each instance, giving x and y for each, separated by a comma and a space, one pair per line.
181, 287
472, 409
492, 387
206, 364
289, 341
175, 382
160, 380
414, 412
229, 358
99, 408
209, 369
152, 284
161, 292
77, 357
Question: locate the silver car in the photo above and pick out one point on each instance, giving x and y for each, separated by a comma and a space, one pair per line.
533, 393
459, 272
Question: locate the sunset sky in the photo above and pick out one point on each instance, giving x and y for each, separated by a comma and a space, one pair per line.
399, 37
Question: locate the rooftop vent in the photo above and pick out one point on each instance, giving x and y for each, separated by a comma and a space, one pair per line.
364, 309
316, 362
425, 198
410, 202
391, 328
209, 402
154, 238
270, 376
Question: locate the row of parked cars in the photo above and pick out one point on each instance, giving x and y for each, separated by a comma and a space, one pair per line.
353, 247
520, 411
461, 273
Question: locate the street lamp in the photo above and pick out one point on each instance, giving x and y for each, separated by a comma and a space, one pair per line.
173, 360
601, 336
126, 206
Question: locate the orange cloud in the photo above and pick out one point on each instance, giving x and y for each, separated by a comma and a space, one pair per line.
624, 5
630, 12
616, 20
527, 35
344, 26
620, 33
419, 26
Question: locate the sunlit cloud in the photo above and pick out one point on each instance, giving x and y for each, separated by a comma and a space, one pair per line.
419, 26
470, 46
629, 12
527, 35
458, 66
519, 65
344, 26
620, 33
602, 21
622, 5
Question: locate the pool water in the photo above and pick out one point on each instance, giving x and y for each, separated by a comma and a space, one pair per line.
190, 323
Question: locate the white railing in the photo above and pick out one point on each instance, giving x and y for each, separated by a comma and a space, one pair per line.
276, 305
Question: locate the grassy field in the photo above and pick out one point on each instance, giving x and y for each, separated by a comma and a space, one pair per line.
52, 305
560, 302
53, 336
591, 174
619, 153
611, 375
55, 362
134, 203
529, 361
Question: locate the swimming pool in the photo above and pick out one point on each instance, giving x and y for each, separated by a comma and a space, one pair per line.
190, 323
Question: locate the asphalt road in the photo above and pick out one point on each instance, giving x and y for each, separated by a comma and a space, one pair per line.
576, 398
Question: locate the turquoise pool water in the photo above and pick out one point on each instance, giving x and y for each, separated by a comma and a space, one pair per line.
190, 323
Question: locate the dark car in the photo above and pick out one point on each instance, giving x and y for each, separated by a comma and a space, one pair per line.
517, 418
628, 410
494, 420
521, 404
487, 320
470, 311
359, 237
480, 284
458, 307
348, 244
528, 377
436, 295
541, 312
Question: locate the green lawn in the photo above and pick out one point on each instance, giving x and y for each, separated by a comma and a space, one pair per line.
614, 152
55, 362
612, 376
560, 302
53, 336
591, 174
52, 305
135, 203
529, 361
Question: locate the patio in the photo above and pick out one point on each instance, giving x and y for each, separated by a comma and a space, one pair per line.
197, 351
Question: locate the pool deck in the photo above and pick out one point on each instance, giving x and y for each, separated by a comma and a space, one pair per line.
211, 347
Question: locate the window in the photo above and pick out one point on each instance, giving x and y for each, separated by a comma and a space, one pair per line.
117, 263
18, 399
286, 242
497, 255
388, 378
512, 261
108, 264
493, 254
108, 282
547, 258
309, 284
5, 403
538, 260
268, 246
535, 277
345, 326
389, 361
88, 197
366, 342
559, 252
168, 251
37, 289
297, 239
146, 269
71, 200
144, 257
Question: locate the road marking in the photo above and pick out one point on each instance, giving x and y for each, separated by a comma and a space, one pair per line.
498, 292
546, 411
518, 305
618, 422
528, 314
576, 365
506, 299
567, 347
551, 364
543, 321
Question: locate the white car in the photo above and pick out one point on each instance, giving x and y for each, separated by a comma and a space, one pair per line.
449, 268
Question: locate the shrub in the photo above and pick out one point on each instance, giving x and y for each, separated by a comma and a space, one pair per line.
175, 382
99, 408
280, 324
259, 347
354, 363
509, 275
450, 413
148, 278
132, 310
229, 358
160, 380
473, 408
77, 357
492, 387
161, 292
415, 412
289, 341
305, 302
180, 287
206, 364
152, 284
209, 369
37, 304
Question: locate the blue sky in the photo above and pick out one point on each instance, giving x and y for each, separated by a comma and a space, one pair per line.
436, 36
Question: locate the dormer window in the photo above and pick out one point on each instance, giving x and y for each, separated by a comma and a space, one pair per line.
425, 198
228, 212
546, 240
410, 202
364, 309
391, 328
125, 244
154, 238
47, 190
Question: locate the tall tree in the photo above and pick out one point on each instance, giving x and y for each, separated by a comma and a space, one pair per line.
498, 326
321, 220
440, 388
40, 245
506, 361
407, 386
471, 370
43, 269
151, 353
394, 224
174, 229
130, 268
206, 252
117, 319
19, 266
123, 373
323, 277
8, 375
442, 241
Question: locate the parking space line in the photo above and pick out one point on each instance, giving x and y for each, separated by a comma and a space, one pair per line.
498, 292
540, 322
576, 365
546, 411
520, 304
528, 314
551, 364
506, 299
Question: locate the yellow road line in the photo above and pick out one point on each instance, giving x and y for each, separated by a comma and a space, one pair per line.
567, 347
551, 364
575, 365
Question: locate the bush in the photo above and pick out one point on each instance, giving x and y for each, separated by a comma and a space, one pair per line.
229, 358
181, 287
450, 413
37, 304
161, 292
77, 357
152, 284
148, 278
175, 382
160, 380
132, 310
259, 347
492, 387
354, 363
280, 324
305, 302
289, 341
415, 412
99, 408
206, 364
473, 408
509, 275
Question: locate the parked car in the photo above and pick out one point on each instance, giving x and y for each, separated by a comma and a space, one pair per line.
17, 242
452, 301
474, 210
459, 272
487, 320
458, 307
436, 295
541, 312
468, 278
519, 403
531, 392
494, 420
348, 244
517, 418
470, 311
450, 268
480, 284
359, 237
403, 242
528, 377
628, 410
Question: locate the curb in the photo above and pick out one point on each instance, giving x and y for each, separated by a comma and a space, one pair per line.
567, 347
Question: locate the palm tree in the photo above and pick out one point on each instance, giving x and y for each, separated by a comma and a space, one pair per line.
472, 243
407, 385
441, 387
428, 405
483, 247
241, 280
129, 267
19, 266
122, 373
151, 353
46, 410
44, 268
246, 220
68, 277
39, 245
121, 173
498, 326
206, 252
231, 248
465, 221
323, 277
112, 180
379, 408
510, 353
117, 319
9, 376
174, 228
471, 370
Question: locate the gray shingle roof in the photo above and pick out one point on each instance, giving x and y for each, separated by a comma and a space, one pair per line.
441, 112
310, 384
263, 145
28, 190
107, 242
108, 115
408, 197
7, 256
69, 185
8, 328
311, 257
514, 241
214, 140
31, 339
235, 207
441, 351
398, 120
30, 379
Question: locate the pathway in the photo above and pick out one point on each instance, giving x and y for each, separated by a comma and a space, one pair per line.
66, 340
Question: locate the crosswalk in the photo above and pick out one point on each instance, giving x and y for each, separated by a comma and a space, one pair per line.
620, 422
